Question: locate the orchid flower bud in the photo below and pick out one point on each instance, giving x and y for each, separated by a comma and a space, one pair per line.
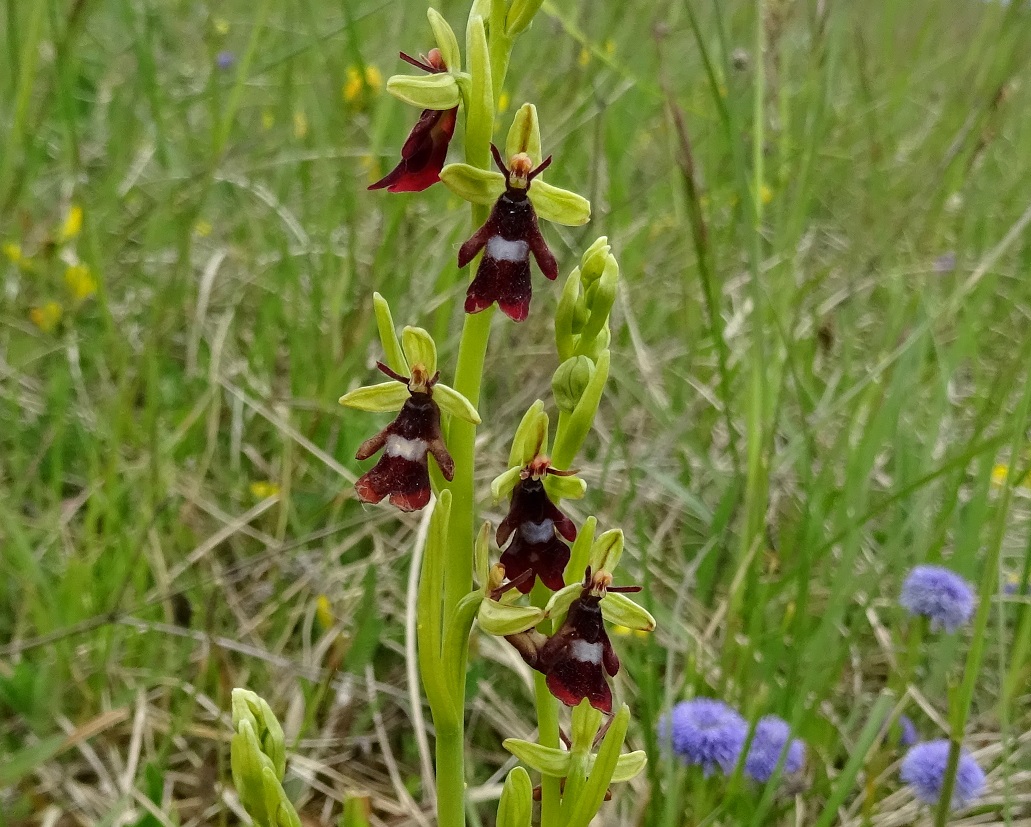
516, 806
258, 762
570, 381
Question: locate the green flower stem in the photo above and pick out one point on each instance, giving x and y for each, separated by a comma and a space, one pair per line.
450, 765
547, 725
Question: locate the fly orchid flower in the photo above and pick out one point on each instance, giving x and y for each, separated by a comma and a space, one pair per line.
534, 524
402, 473
425, 150
576, 659
518, 197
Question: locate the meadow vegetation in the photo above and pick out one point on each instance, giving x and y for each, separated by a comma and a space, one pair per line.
820, 380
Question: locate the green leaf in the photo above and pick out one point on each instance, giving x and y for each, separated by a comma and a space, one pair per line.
546, 760
419, 349
446, 40
559, 205
23, 762
436, 91
452, 402
525, 136
479, 109
386, 396
504, 619
516, 806
392, 353
478, 186
580, 553
622, 611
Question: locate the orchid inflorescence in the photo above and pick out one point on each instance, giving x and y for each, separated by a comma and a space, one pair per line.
551, 591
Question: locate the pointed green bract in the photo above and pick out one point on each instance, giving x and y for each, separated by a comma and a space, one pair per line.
578, 424
446, 40
419, 349
479, 106
565, 317
392, 353
251, 707
525, 136
561, 600
620, 610
478, 186
452, 402
280, 810
559, 205
386, 396
516, 806
580, 553
481, 555
437, 91
546, 760
629, 765
593, 792
520, 15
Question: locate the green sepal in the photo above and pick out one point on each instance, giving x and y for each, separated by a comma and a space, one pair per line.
437, 91
564, 488
501, 486
573, 428
502, 619
592, 262
531, 437
481, 555
452, 402
478, 186
386, 396
525, 136
570, 381
393, 356
446, 40
479, 104
558, 205
419, 349
592, 795
606, 551
561, 600
620, 610
520, 15
629, 765
279, 808
566, 315
516, 806
580, 553
546, 760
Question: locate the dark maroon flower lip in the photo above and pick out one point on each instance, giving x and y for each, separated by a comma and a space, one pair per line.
402, 473
509, 236
536, 528
425, 150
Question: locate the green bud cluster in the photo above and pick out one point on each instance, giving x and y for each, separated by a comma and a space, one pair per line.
258, 762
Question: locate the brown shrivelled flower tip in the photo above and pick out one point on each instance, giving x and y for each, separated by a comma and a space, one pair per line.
402, 473
577, 657
509, 236
425, 150
535, 524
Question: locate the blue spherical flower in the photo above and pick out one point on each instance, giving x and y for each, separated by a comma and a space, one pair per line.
940, 595
705, 732
771, 734
923, 768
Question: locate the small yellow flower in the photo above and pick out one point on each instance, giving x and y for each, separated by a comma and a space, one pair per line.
610, 47
80, 281
12, 249
373, 78
262, 489
324, 612
766, 194
221, 26
585, 56
202, 228
353, 85
503, 101
47, 316
268, 120
72, 224
300, 125
1000, 473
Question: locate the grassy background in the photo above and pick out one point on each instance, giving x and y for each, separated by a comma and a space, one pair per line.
805, 403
